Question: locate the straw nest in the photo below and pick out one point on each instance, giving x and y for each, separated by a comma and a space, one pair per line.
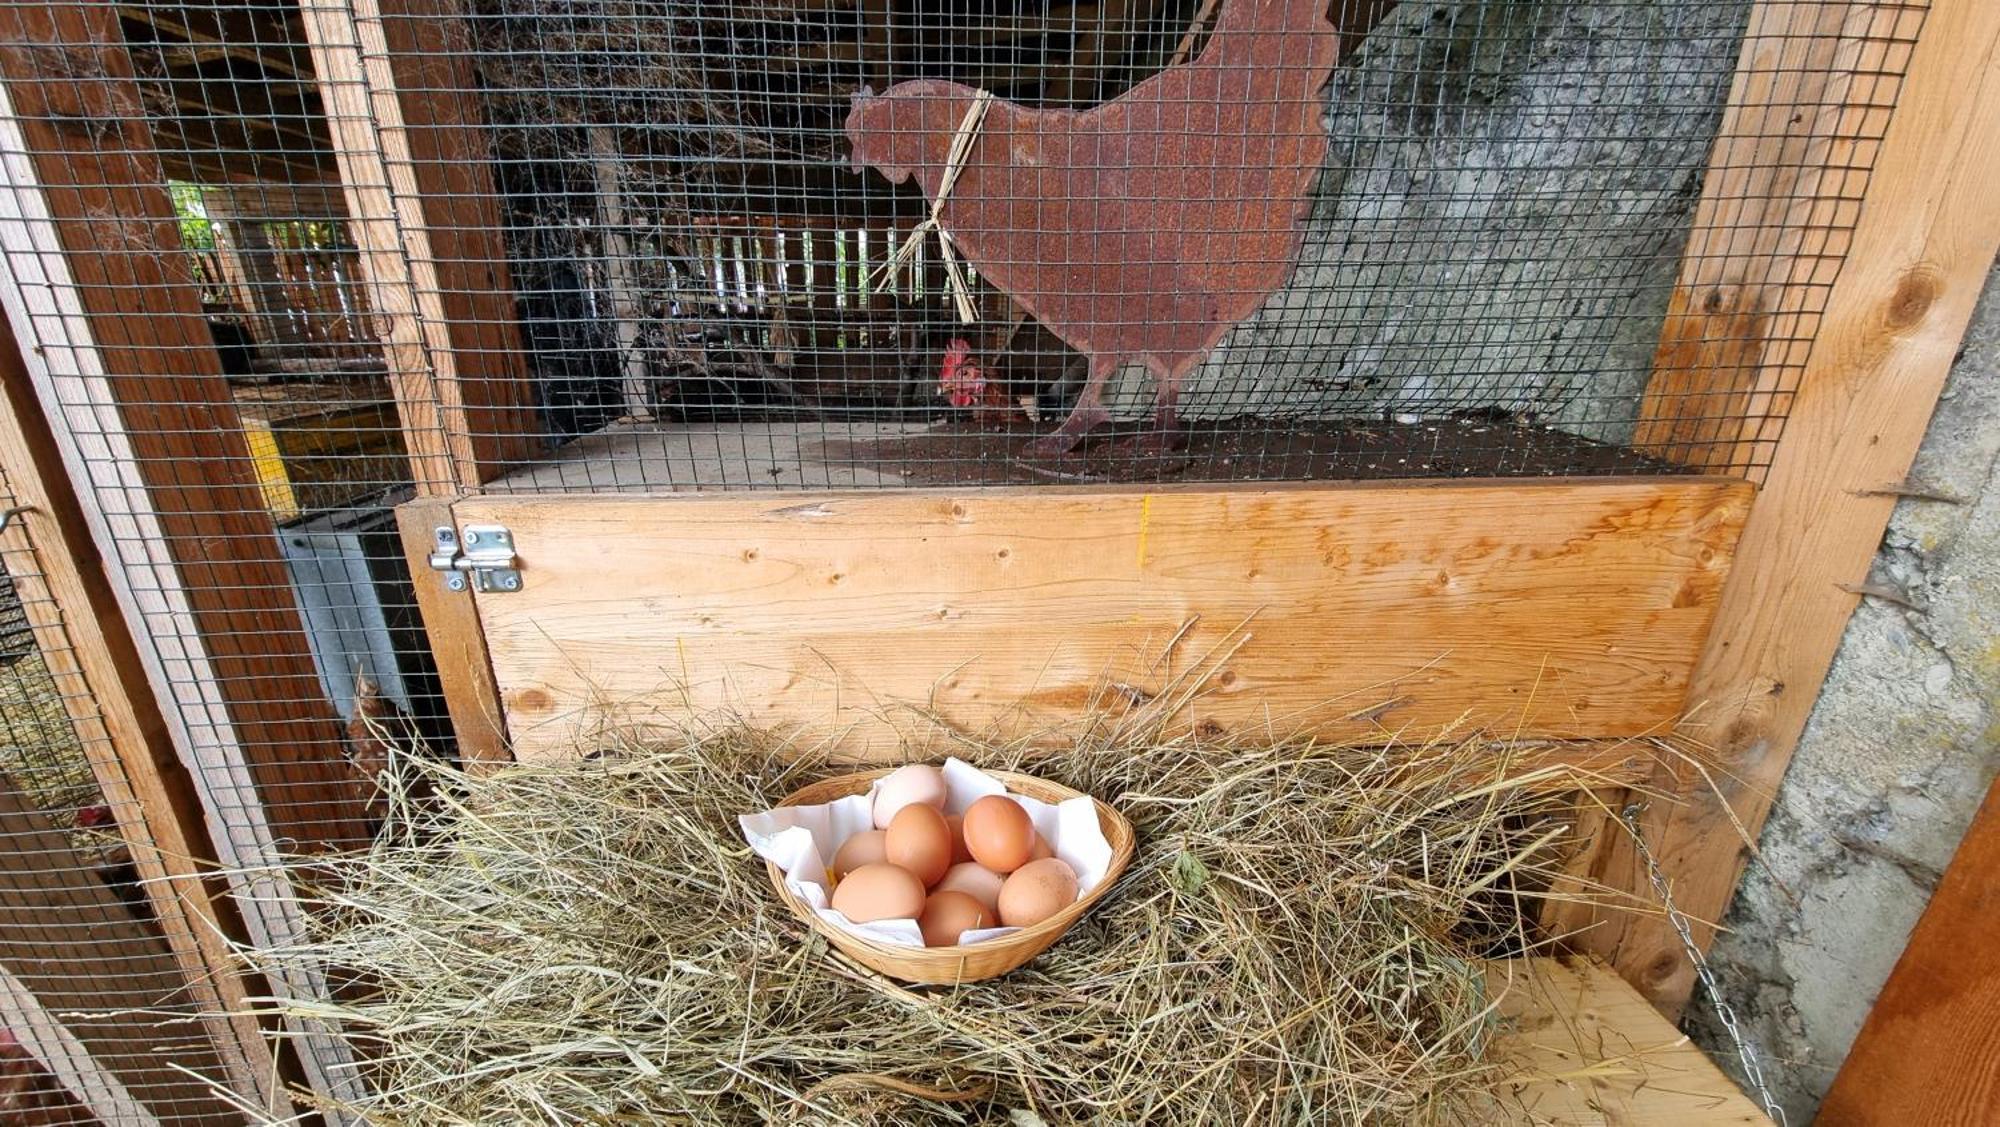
1294, 942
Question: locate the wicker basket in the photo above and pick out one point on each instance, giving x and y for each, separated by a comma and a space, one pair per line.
971, 963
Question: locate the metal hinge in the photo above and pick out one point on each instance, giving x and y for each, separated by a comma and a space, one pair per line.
487, 556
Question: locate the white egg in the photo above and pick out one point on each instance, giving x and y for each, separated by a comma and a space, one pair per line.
905, 785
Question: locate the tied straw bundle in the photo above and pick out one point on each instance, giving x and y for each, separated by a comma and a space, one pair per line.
593, 943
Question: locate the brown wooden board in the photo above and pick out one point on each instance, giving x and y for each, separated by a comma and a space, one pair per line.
1893, 322
77, 107
423, 210
71, 941
1930, 1050
451, 622
1563, 609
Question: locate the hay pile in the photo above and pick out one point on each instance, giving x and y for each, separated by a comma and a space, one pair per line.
594, 943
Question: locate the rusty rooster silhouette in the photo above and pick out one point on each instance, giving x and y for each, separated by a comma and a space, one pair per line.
1143, 229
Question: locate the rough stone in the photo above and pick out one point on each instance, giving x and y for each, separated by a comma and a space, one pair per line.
1500, 221
1902, 745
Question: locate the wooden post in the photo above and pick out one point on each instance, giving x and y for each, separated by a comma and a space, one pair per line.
66, 937
1928, 231
69, 80
1806, 113
81, 634
617, 246
458, 640
424, 211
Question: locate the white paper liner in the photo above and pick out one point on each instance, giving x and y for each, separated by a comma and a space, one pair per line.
798, 839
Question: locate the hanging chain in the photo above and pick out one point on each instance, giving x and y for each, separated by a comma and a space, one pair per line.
1745, 1051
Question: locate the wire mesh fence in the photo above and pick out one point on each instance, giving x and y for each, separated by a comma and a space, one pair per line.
97, 1017
266, 260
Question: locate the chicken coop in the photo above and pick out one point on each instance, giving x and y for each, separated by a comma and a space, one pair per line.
505, 371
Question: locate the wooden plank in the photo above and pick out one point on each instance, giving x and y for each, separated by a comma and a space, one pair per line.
65, 64
423, 210
70, 940
1806, 113
1930, 1049
1586, 1048
83, 641
1564, 609
1920, 257
451, 621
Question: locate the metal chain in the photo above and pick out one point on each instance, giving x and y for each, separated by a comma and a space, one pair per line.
1745, 1051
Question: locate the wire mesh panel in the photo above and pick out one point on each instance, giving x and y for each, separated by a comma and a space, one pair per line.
722, 284
96, 1015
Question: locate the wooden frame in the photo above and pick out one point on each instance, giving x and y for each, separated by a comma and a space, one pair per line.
1927, 232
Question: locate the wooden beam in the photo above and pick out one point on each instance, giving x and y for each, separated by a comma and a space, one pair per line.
1806, 112
81, 634
423, 209
1919, 258
264, 35
69, 939
1549, 609
451, 622
1928, 1051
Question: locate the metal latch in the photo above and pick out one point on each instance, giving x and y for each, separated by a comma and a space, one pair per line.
487, 556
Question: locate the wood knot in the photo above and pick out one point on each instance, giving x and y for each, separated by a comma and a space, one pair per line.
1916, 292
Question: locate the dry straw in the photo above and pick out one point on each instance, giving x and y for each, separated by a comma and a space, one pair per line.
1294, 942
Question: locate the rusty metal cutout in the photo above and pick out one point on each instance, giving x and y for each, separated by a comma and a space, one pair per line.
1143, 229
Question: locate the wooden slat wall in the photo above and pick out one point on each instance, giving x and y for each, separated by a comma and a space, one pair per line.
1920, 255
1551, 609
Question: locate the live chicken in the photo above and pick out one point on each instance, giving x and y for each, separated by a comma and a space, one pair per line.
1143, 229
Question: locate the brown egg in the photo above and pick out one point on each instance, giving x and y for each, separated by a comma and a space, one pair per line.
865, 848
1036, 891
947, 914
999, 834
959, 853
1040, 851
976, 881
879, 892
919, 841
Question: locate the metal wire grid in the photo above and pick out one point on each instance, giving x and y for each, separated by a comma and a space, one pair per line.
81, 949
1484, 282
1487, 269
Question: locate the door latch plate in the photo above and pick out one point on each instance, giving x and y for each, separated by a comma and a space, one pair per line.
484, 558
